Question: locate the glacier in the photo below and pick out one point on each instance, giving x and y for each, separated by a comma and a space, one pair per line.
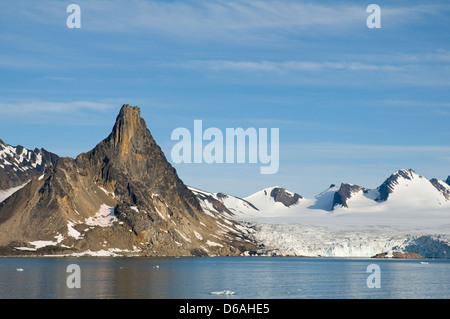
407, 213
319, 241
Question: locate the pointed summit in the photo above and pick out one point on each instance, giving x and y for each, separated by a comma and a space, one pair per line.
127, 129
129, 160
345, 193
389, 184
123, 192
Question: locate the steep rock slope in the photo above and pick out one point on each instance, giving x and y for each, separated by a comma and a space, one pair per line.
123, 197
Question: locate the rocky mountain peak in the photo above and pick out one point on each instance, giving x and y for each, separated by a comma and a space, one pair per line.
128, 130
124, 195
388, 186
344, 193
285, 197
129, 164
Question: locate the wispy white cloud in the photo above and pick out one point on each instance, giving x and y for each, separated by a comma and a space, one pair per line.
198, 18
34, 106
365, 152
270, 66
216, 17
415, 103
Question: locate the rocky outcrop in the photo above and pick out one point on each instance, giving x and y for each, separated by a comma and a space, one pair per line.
441, 187
286, 198
345, 192
388, 186
398, 255
123, 195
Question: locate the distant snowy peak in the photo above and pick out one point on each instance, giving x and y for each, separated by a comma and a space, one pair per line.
400, 177
18, 164
274, 198
287, 198
345, 193
261, 203
408, 187
224, 204
403, 188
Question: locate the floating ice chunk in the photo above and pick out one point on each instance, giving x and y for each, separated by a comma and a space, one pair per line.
223, 292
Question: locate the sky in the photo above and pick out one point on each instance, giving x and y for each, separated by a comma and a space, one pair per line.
352, 104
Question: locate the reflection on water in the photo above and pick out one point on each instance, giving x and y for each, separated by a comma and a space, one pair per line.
247, 277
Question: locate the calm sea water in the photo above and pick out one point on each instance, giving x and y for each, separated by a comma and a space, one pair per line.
198, 277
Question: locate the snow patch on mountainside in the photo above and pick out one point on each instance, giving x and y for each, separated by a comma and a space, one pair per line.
104, 217
4, 194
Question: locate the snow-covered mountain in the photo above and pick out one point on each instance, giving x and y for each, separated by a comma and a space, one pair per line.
407, 212
18, 165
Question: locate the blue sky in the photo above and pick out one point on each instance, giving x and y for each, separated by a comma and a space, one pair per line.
352, 104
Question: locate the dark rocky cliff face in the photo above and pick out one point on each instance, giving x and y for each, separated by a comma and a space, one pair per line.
388, 186
344, 193
151, 211
282, 196
131, 165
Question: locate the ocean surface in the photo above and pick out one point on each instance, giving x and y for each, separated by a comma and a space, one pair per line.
223, 277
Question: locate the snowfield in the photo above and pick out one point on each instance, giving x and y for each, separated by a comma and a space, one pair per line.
415, 217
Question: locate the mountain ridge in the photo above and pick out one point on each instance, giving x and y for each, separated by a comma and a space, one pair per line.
123, 196
343, 197
19, 164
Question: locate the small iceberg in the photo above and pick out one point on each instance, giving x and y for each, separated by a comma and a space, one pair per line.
424, 263
19, 269
224, 292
